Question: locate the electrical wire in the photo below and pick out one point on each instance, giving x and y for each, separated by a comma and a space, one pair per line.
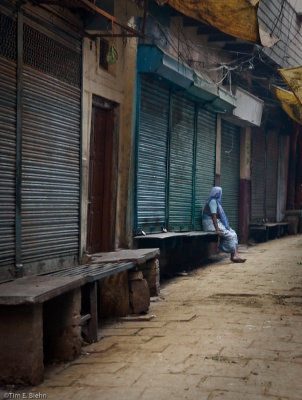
176, 38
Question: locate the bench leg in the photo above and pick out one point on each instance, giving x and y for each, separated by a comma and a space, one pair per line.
93, 322
114, 295
62, 330
21, 344
151, 273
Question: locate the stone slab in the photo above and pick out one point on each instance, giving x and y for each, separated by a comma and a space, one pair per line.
138, 256
37, 289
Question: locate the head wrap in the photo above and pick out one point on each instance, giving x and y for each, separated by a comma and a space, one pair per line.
216, 194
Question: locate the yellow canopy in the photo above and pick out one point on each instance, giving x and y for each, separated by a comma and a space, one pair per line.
289, 103
235, 17
293, 79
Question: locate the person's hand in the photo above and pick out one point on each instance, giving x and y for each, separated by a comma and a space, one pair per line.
219, 233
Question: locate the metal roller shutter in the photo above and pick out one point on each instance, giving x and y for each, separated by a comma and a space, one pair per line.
8, 141
271, 175
181, 164
230, 171
205, 160
258, 176
50, 146
152, 156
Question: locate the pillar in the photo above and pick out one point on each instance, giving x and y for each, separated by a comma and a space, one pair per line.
62, 330
245, 185
21, 344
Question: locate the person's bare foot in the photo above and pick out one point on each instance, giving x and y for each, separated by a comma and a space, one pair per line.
238, 260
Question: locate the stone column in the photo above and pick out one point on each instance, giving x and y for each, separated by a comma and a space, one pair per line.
151, 273
21, 344
139, 292
218, 151
114, 295
245, 185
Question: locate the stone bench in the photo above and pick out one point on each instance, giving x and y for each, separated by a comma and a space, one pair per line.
178, 249
40, 317
267, 231
145, 260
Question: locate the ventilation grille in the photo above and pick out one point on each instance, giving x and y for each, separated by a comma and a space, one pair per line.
49, 56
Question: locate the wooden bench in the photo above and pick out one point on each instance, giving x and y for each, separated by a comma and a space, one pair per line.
267, 231
40, 316
178, 249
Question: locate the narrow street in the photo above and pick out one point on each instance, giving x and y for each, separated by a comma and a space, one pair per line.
226, 331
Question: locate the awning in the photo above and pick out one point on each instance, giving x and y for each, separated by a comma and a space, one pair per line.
211, 95
152, 60
249, 109
235, 17
289, 103
225, 102
293, 79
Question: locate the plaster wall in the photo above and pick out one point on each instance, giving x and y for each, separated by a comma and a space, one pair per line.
117, 85
196, 51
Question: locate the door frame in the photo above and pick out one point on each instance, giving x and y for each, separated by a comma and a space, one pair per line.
105, 104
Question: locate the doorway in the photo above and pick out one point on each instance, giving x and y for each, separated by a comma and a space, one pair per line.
101, 192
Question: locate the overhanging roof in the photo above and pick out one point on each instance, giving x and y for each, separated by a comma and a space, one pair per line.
152, 60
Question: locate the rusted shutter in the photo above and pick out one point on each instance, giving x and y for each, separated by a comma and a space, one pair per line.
271, 175
50, 145
258, 176
8, 52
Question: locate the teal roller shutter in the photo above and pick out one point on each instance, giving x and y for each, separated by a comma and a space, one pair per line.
181, 164
230, 171
258, 176
205, 160
271, 175
152, 156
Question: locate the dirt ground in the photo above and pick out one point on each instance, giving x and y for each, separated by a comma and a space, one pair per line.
224, 331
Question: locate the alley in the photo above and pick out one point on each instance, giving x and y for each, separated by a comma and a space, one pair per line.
225, 331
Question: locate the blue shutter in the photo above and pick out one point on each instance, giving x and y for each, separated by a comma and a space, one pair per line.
181, 164
205, 160
152, 156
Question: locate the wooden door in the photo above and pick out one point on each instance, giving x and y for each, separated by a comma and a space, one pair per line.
100, 224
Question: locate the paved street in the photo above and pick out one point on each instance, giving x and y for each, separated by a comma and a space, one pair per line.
222, 332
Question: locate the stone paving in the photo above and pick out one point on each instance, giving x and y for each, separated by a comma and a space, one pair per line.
223, 332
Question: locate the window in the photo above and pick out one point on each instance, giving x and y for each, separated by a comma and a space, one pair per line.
104, 48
